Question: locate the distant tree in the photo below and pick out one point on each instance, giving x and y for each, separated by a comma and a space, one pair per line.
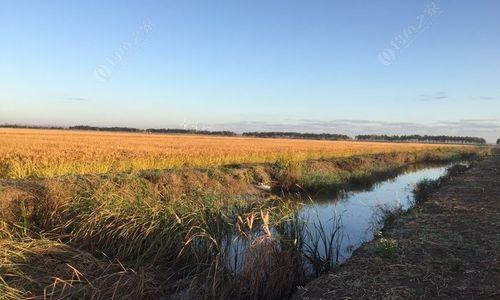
298, 135
422, 139
112, 129
15, 126
498, 142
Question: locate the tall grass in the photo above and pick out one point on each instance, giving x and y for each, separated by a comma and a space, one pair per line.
322, 242
126, 229
37, 267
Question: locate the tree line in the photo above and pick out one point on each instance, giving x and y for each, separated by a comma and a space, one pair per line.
124, 129
422, 138
155, 130
110, 129
275, 134
15, 126
298, 135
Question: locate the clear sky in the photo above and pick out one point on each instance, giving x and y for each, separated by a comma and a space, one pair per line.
333, 66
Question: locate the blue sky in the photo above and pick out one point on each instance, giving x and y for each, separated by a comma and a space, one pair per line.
334, 66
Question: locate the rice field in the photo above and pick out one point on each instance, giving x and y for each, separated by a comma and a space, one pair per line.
26, 153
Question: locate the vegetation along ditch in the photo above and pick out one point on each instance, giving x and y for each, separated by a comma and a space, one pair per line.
239, 231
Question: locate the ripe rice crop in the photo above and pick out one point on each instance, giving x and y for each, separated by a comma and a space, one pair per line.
28, 153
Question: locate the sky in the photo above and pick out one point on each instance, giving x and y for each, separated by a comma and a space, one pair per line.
395, 67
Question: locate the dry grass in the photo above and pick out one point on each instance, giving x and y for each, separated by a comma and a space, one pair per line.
46, 153
58, 271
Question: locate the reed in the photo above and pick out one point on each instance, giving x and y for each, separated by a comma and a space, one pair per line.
322, 242
37, 267
126, 232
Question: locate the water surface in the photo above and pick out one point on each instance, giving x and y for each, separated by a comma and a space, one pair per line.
359, 213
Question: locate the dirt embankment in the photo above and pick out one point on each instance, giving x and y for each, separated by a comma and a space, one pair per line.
447, 247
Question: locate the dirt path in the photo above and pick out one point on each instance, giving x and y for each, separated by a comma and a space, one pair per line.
447, 247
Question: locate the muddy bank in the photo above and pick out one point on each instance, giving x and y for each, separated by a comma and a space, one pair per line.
447, 247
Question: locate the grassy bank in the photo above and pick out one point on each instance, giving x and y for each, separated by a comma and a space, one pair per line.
332, 174
151, 233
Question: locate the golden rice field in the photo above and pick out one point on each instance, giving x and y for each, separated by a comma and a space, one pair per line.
45, 153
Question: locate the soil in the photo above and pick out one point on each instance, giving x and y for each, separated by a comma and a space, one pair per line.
447, 247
